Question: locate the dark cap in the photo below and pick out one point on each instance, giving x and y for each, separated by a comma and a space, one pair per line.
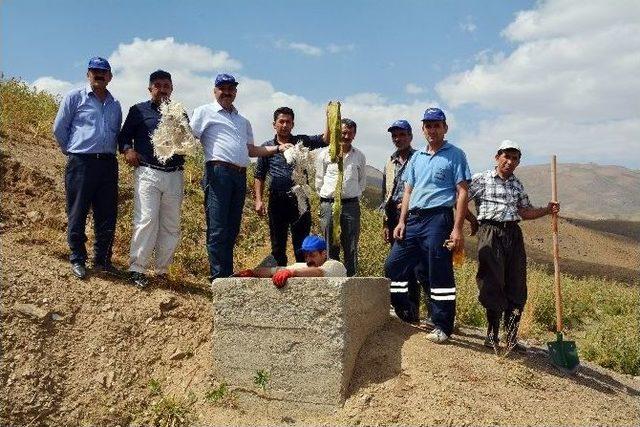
400, 124
98, 63
225, 79
434, 115
159, 75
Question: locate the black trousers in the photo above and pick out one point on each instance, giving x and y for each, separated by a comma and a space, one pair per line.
419, 279
502, 268
91, 183
284, 216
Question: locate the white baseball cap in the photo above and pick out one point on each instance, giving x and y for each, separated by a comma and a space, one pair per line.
509, 145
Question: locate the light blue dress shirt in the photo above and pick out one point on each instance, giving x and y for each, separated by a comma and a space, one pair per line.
224, 135
433, 177
84, 124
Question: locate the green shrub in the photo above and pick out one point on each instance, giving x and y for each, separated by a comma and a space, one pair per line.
615, 343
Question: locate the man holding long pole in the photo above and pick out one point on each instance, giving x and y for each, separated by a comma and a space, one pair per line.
501, 203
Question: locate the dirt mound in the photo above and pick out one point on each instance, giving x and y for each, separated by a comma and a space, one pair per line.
99, 351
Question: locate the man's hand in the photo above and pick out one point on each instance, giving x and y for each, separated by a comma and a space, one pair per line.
260, 208
386, 233
553, 208
245, 273
280, 278
398, 232
457, 237
132, 157
283, 147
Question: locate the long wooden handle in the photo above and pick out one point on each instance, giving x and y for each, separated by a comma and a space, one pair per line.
556, 256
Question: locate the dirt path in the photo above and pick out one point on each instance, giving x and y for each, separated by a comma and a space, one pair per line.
91, 357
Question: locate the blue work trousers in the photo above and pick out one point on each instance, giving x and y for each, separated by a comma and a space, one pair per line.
425, 234
225, 189
91, 182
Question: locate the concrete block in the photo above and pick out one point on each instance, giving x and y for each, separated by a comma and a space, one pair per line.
307, 335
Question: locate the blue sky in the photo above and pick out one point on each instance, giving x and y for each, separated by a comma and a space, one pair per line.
521, 70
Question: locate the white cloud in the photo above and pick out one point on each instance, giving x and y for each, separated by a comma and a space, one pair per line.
336, 48
55, 86
468, 25
413, 89
571, 77
257, 99
303, 48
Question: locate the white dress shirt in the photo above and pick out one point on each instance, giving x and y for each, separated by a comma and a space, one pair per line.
224, 135
354, 179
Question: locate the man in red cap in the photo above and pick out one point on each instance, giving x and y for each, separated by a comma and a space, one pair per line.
316, 264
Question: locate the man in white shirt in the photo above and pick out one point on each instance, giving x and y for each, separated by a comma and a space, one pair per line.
354, 181
227, 140
316, 264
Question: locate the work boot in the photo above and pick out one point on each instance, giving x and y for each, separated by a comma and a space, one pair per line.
493, 321
511, 325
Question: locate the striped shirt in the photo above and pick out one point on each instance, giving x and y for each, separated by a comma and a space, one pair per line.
498, 199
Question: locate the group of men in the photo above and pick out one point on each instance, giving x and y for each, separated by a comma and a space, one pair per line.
426, 196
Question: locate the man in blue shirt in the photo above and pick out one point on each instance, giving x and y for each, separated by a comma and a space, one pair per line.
86, 128
393, 191
436, 179
158, 187
283, 204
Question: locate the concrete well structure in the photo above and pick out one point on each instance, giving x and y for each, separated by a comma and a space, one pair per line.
306, 335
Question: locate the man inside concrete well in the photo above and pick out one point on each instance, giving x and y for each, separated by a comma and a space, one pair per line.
316, 264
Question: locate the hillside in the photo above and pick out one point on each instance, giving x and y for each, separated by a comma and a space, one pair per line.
100, 352
587, 191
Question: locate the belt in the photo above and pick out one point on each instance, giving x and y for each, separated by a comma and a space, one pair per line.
99, 156
430, 211
228, 165
331, 199
162, 168
501, 224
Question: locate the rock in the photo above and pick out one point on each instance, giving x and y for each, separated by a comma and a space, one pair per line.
106, 307
34, 216
32, 311
179, 354
57, 317
108, 382
168, 302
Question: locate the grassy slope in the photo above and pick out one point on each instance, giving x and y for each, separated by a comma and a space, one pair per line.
602, 315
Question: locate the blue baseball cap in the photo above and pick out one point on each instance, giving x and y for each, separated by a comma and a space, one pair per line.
313, 243
400, 124
225, 79
434, 115
98, 63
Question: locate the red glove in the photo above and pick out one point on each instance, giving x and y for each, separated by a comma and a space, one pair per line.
280, 278
245, 273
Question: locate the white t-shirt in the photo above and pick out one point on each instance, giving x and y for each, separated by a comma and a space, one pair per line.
330, 268
224, 135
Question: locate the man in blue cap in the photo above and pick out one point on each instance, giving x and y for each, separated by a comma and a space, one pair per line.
86, 128
158, 186
436, 180
316, 264
393, 190
227, 140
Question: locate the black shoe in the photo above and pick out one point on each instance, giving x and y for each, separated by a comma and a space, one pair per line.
79, 270
108, 269
139, 280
